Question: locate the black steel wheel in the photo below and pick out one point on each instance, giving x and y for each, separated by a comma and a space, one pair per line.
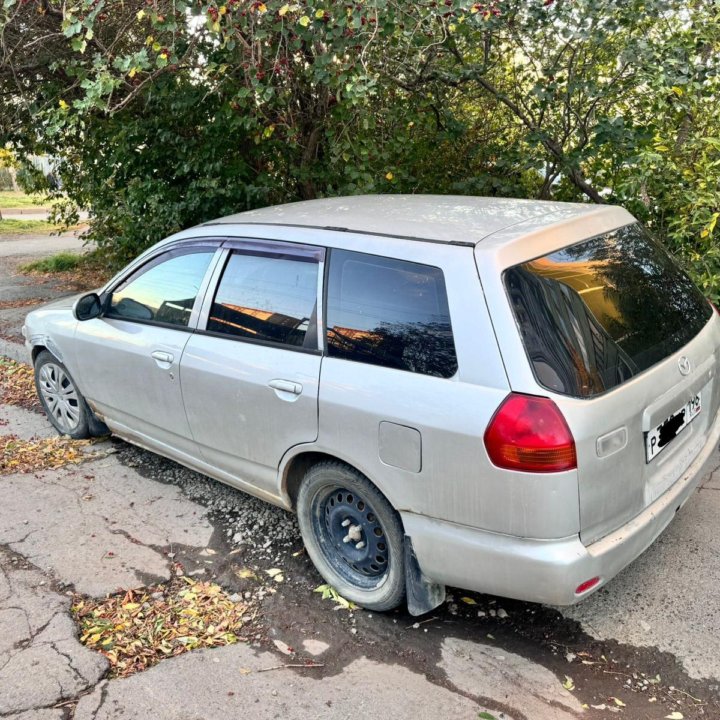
353, 535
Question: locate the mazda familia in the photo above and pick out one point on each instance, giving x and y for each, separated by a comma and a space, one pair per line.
508, 396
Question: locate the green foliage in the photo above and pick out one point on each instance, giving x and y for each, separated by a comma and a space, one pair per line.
168, 114
62, 262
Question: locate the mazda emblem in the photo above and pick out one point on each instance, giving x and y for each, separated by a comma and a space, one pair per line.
684, 365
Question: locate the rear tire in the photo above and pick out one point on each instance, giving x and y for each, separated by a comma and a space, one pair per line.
353, 535
63, 403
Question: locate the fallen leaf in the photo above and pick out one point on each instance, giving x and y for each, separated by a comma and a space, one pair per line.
618, 701
468, 601
568, 684
674, 716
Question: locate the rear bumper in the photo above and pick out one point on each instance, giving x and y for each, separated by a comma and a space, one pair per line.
546, 571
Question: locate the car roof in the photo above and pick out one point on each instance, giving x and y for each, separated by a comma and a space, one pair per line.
452, 219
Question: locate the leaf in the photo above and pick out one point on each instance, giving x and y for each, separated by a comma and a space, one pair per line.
304, 21
283, 11
618, 701
486, 716
140, 14
569, 684
674, 716
319, 14
468, 601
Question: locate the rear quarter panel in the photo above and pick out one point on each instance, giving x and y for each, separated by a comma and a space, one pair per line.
456, 481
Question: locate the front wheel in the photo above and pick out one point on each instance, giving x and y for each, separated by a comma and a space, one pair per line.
352, 535
63, 404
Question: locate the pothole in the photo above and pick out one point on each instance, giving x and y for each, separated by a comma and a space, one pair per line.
137, 629
18, 455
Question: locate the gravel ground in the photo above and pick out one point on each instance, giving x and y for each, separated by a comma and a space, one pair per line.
269, 531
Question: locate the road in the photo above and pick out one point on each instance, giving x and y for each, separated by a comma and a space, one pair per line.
645, 646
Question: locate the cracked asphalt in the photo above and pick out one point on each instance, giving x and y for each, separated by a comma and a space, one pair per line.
646, 645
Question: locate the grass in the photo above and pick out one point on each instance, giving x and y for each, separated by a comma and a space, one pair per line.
62, 262
11, 199
74, 272
26, 227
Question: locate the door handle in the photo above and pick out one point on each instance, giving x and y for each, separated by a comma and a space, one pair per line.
163, 357
286, 386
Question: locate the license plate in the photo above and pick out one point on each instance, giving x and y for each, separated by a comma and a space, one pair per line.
664, 433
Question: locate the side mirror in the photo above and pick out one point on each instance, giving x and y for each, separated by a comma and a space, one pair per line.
87, 307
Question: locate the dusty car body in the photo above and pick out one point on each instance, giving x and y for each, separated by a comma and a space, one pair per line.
508, 396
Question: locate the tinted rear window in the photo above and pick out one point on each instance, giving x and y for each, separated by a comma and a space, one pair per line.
597, 313
389, 312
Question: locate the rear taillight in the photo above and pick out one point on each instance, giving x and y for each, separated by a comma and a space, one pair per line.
529, 433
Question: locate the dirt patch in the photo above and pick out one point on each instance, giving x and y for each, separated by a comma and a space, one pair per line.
26, 302
137, 629
90, 273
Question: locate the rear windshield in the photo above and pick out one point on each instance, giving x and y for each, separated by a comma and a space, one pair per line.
595, 314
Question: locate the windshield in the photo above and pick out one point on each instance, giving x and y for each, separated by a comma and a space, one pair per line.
595, 314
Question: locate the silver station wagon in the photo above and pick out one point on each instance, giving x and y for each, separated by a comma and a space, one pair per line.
508, 396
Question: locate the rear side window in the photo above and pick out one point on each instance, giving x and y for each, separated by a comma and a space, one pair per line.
389, 312
269, 298
595, 314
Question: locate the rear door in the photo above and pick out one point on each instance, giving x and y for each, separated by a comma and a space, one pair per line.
250, 373
622, 340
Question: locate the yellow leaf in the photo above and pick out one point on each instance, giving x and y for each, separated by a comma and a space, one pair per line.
389, 176
131, 606
132, 73
569, 684
674, 716
468, 601
244, 573
677, 90
262, 8
222, 9
304, 21
319, 14
140, 14
618, 702
63, 105
282, 12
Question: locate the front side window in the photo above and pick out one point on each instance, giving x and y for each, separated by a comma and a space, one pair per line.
389, 312
267, 297
164, 290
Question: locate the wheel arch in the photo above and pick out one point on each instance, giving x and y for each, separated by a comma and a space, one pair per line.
36, 350
295, 466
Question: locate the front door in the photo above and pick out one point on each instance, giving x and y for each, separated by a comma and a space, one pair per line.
250, 373
128, 358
